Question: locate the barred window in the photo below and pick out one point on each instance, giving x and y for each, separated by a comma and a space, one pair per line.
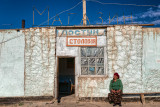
92, 61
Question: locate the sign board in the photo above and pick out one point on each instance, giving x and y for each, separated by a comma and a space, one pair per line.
81, 40
81, 32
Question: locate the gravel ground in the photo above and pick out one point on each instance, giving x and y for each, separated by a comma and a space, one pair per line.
80, 104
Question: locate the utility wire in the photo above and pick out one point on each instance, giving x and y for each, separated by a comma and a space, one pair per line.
123, 4
79, 4
43, 22
74, 17
100, 3
10, 39
61, 13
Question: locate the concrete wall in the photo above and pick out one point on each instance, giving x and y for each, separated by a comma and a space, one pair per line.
11, 63
151, 59
63, 51
27, 62
132, 51
39, 61
124, 55
82, 84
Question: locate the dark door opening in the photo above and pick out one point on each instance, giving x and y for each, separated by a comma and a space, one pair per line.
66, 77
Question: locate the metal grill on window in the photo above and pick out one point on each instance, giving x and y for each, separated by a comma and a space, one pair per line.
92, 61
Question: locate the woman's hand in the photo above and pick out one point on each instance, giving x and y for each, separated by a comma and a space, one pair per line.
119, 91
113, 91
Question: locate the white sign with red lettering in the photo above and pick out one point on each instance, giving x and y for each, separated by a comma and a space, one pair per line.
81, 41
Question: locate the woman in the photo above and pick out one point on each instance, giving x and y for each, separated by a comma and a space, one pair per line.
116, 89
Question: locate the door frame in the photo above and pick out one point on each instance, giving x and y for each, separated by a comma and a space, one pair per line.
57, 75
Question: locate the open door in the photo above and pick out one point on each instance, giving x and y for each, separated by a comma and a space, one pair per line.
66, 77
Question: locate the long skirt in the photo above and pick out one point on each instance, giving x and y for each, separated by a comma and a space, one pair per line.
116, 97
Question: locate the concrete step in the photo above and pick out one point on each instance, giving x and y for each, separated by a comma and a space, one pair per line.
70, 98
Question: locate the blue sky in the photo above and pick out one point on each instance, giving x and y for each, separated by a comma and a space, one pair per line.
13, 11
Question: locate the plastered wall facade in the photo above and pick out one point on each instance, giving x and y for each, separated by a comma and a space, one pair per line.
39, 61
124, 55
11, 63
29, 57
63, 51
27, 62
151, 59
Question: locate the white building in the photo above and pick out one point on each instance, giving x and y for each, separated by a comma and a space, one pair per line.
35, 62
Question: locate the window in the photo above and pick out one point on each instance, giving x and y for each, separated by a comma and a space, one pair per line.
92, 61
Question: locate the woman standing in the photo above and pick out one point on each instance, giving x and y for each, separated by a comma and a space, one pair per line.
116, 89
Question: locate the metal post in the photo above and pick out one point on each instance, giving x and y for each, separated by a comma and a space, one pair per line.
68, 18
124, 18
109, 19
33, 15
84, 13
23, 24
117, 19
131, 18
48, 15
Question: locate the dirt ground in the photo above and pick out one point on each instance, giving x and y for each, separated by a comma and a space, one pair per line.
80, 104
70, 101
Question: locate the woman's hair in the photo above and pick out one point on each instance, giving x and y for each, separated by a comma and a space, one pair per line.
116, 74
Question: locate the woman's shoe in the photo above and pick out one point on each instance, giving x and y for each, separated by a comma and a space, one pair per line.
114, 104
120, 105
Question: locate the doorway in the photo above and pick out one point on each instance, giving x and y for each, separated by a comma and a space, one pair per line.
66, 78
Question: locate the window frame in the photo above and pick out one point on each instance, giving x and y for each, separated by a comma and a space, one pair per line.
104, 63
